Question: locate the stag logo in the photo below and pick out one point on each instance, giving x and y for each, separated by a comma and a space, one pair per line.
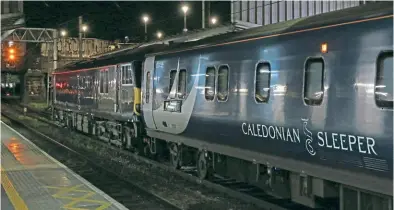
309, 139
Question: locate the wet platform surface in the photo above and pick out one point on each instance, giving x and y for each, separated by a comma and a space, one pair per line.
31, 179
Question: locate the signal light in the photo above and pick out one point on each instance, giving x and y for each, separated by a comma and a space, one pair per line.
11, 57
12, 51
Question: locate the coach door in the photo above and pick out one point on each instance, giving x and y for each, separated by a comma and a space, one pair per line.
147, 92
126, 92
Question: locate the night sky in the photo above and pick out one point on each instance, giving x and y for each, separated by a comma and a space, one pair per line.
115, 20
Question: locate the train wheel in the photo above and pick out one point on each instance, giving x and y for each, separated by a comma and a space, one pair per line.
203, 165
175, 155
124, 141
125, 137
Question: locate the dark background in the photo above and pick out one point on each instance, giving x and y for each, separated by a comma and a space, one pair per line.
115, 20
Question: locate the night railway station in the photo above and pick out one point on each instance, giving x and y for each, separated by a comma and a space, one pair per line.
220, 105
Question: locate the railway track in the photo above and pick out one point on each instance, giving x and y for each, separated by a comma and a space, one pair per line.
229, 186
127, 193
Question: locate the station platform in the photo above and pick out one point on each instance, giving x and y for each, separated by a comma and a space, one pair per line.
31, 179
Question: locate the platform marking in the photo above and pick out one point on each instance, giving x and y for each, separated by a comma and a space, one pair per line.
75, 200
12, 194
81, 179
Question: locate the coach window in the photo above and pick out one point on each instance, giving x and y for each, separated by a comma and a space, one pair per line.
182, 84
223, 83
384, 80
101, 82
124, 76
314, 81
147, 87
106, 81
129, 76
210, 78
263, 80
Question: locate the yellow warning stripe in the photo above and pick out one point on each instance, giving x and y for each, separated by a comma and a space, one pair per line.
13, 195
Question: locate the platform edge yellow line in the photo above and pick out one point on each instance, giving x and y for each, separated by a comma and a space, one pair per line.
10, 190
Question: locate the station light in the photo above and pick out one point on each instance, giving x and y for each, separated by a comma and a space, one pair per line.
185, 8
214, 20
159, 34
145, 18
63, 33
84, 28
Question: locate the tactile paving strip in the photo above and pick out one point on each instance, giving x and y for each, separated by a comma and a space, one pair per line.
41, 182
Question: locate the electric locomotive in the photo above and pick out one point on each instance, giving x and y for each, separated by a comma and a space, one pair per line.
102, 96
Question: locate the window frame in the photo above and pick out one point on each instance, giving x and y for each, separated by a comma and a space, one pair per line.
381, 55
123, 74
217, 83
147, 86
101, 81
205, 83
169, 83
177, 88
106, 79
322, 79
269, 81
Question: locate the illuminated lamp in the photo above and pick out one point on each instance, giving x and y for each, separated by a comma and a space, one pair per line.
12, 50
11, 57
324, 48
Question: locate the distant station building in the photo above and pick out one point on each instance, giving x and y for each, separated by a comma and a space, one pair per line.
41, 62
260, 13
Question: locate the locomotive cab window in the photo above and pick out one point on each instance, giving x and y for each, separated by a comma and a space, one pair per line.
262, 85
223, 83
314, 81
384, 80
172, 79
210, 78
181, 90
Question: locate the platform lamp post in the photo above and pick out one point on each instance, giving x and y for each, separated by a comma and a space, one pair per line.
63, 34
145, 18
185, 8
